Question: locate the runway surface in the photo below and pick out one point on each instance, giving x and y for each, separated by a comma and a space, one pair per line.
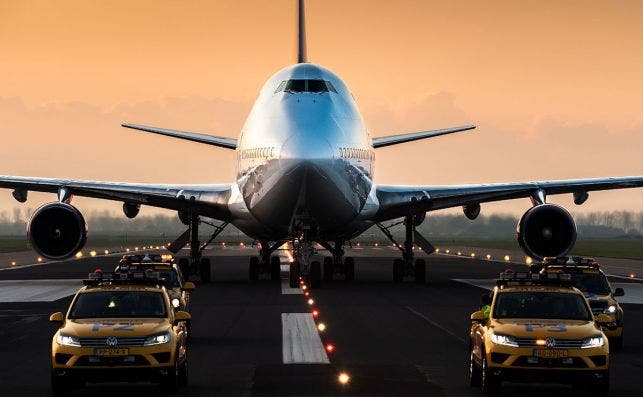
261, 339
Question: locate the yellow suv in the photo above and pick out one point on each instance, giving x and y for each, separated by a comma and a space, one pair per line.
542, 329
588, 277
119, 327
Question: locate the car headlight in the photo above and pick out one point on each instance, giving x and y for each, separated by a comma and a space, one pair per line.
157, 339
176, 302
68, 340
505, 340
611, 309
594, 341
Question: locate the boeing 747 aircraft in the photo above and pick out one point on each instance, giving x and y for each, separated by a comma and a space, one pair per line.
304, 175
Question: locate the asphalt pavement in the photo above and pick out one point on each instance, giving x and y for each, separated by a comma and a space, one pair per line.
260, 339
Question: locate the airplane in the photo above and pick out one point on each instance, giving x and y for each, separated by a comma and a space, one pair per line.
305, 175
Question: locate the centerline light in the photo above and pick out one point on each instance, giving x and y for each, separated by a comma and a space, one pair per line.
321, 327
343, 378
311, 301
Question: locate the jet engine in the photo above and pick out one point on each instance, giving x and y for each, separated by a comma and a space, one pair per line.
57, 230
546, 230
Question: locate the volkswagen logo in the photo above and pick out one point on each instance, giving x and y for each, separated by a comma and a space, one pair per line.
551, 343
113, 341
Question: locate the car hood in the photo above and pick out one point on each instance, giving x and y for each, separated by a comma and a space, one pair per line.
533, 328
115, 327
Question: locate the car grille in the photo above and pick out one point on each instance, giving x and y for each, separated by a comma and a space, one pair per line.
572, 362
102, 342
560, 343
95, 361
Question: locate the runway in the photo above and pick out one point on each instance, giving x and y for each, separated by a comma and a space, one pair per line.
260, 339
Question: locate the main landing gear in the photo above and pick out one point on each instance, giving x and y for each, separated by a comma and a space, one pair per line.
265, 263
337, 264
408, 265
196, 265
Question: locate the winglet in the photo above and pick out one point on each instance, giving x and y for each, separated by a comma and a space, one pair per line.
414, 136
301, 36
227, 143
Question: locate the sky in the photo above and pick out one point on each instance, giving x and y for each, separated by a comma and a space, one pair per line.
553, 86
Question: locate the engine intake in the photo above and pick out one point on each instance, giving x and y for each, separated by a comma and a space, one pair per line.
57, 230
546, 230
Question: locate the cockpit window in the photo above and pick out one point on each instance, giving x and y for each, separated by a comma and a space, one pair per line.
312, 85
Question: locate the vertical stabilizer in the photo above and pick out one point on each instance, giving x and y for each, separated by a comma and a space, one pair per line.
301, 36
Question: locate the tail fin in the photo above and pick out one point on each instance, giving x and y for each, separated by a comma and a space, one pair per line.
301, 37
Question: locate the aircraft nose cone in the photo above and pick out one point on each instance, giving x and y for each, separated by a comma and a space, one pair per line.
301, 148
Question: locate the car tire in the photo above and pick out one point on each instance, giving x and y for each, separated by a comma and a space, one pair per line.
183, 372
253, 269
205, 269
315, 274
275, 268
475, 377
60, 386
329, 269
420, 271
349, 268
489, 383
170, 382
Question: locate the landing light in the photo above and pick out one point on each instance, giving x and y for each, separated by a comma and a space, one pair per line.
473, 255
321, 327
343, 378
507, 258
13, 263
488, 256
106, 252
632, 275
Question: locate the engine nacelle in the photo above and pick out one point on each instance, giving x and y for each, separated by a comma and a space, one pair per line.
546, 230
57, 231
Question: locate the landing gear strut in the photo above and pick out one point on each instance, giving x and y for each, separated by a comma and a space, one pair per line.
338, 264
408, 266
265, 263
196, 265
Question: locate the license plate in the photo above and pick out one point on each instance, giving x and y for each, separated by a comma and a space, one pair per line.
109, 352
550, 353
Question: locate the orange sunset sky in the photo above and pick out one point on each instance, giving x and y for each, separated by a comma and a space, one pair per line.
553, 86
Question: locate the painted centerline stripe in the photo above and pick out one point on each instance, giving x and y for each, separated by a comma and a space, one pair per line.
300, 340
37, 290
287, 290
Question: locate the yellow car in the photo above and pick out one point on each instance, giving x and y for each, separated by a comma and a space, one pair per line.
173, 281
588, 277
119, 327
540, 329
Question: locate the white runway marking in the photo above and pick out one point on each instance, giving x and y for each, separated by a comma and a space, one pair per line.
286, 290
37, 290
300, 340
633, 291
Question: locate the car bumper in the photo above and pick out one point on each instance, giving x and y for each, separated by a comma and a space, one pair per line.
529, 375
117, 374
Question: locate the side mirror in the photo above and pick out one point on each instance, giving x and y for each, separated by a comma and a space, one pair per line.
618, 292
478, 317
188, 286
56, 318
181, 316
603, 319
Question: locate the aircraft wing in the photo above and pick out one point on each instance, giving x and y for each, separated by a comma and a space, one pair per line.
207, 200
399, 201
227, 143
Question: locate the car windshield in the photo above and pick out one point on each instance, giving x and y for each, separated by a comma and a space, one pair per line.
591, 283
541, 305
118, 304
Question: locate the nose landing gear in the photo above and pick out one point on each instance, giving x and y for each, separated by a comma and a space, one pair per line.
266, 263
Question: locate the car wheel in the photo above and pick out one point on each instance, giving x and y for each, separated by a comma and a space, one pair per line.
170, 382
490, 384
474, 371
60, 386
183, 372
